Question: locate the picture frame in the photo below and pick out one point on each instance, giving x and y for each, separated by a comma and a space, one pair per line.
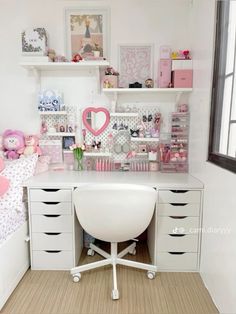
135, 62
86, 31
67, 141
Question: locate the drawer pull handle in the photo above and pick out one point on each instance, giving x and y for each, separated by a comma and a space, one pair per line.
178, 204
179, 191
52, 251
52, 216
178, 217
177, 235
52, 233
51, 190
176, 253
51, 203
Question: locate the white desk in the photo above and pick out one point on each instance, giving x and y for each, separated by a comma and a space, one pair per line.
173, 235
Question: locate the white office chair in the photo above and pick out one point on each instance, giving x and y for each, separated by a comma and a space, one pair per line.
114, 213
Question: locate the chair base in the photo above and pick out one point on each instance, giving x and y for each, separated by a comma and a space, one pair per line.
113, 259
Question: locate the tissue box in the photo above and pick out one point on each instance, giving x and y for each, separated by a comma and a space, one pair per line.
182, 78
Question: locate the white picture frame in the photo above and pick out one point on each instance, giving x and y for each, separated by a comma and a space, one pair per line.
87, 28
135, 63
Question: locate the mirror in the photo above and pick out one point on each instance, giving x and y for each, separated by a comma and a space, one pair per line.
96, 119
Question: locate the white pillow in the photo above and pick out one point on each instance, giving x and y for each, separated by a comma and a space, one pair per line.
17, 171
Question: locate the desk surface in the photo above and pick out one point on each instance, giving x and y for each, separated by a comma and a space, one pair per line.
69, 179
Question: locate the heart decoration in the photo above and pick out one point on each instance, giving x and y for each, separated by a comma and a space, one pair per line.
4, 182
96, 110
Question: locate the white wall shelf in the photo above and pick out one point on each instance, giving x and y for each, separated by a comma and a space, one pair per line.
65, 66
53, 113
124, 114
97, 154
146, 90
60, 134
145, 139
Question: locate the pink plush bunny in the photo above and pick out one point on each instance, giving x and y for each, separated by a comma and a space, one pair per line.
4, 182
13, 142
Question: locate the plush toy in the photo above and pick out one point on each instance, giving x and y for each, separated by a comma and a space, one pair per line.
31, 146
1, 148
13, 142
4, 182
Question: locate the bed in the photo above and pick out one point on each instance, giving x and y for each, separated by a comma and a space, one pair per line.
14, 239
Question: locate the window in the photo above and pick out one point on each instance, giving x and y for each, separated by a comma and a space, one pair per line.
222, 143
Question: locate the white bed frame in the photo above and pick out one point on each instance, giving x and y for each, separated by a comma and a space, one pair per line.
14, 261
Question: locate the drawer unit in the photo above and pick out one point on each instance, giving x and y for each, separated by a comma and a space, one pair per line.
179, 196
51, 208
177, 225
51, 223
180, 261
50, 195
177, 243
52, 241
52, 260
179, 209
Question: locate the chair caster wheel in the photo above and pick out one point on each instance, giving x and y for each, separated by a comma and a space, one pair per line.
90, 252
77, 277
151, 274
115, 294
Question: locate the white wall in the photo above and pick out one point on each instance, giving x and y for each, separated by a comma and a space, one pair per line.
218, 250
132, 21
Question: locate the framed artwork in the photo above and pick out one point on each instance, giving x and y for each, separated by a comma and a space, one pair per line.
87, 31
135, 64
67, 141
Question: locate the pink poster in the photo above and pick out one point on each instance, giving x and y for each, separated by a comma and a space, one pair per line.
135, 64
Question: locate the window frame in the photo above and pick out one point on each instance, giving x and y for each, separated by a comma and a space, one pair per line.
223, 161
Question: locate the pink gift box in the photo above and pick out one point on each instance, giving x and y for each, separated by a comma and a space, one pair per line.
110, 81
52, 148
182, 78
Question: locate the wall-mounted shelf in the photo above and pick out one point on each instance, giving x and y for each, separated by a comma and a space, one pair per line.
145, 90
145, 139
65, 66
60, 134
124, 114
53, 113
97, 154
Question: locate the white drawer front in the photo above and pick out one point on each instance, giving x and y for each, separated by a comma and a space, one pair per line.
52, 241
177, 243
185, 225
178, 209
50, 195
186, 261
50, 208
173, 196
52, 260
53, 223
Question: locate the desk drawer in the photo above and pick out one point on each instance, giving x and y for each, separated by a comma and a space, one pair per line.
51, 208
182, 261
179, 196
51, 223
178, 209
52, 260
52, 241
177, 243
183, 225
50, 195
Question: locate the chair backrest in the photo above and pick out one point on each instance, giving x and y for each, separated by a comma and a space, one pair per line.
114, 212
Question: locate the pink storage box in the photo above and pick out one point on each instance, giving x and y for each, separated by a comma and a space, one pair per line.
182, 78
164, 73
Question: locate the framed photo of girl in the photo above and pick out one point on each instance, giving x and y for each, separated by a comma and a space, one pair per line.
87, 32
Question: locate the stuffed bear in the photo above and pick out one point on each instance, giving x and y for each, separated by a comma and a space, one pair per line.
13, 142
31, 146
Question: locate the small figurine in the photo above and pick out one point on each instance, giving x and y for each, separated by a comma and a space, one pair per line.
77, 58
157, 121
44, 127
149, 83
134, 133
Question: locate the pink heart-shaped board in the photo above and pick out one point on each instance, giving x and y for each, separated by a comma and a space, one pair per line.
4, 182
96, 110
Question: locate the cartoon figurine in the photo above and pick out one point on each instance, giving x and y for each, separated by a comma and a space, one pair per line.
77, 58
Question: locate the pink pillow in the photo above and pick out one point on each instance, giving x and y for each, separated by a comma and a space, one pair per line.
17, 171
4, 182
